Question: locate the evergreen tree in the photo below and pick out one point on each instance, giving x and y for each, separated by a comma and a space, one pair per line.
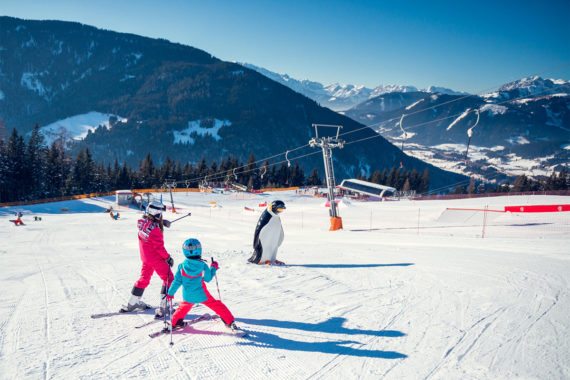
147, 173
392, 178
15, 168
376, 177
424, 182
297, 176
521, 184
471, 189
460, 189
55, 172
35, 164
406, 186
82, 179
415, 180
125, 178
314, 179
3, 172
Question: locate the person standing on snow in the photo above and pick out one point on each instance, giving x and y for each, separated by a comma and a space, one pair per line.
154, 258
268, 235
192, 275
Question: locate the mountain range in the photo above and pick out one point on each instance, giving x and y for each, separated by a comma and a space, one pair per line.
124, 96
341, 97
523, 128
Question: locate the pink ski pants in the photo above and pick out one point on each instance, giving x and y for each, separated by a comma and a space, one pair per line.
161, 268
213, 304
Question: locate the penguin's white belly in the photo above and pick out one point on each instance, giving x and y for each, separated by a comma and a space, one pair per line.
271, 237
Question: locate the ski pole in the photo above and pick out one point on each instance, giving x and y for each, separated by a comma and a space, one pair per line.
166, 286
167, 223
217, 285
171, 342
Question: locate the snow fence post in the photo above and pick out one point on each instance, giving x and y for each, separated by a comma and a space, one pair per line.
484, 221
419, 210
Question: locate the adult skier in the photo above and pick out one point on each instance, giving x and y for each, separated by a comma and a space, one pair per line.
268, 235
192, 275
154, 258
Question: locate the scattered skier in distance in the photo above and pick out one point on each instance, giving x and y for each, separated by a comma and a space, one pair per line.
18, 221
192, 274
268, 235
154, 258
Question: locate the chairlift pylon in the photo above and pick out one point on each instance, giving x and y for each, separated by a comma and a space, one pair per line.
405, 134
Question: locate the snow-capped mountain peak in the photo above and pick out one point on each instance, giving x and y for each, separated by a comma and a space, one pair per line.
444, 90
536, 85
341, 97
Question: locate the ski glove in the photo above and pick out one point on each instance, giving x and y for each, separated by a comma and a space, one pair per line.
170, 261
215, 265
166, 223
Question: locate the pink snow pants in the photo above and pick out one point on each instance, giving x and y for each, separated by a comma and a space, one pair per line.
213, 304
160, 267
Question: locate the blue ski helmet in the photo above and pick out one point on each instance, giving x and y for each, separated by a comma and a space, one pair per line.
192, 248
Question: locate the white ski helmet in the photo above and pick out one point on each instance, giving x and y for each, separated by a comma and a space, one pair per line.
155, 209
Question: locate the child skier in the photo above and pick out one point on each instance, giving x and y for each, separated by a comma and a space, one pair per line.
192, 275
154, 258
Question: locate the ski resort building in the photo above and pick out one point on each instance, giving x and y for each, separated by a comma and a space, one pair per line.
123, 197
364, 188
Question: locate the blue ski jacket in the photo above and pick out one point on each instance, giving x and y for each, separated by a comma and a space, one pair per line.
190, 275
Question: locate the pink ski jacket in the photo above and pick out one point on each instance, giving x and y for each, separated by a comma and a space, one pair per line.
151, 241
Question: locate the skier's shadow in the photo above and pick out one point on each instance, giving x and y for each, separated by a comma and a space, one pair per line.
324, 345
340, 266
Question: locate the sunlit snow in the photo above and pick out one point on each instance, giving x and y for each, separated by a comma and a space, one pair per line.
493, 109
461, 117
76, 127
407, 290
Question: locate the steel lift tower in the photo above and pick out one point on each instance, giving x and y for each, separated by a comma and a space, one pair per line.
327, 144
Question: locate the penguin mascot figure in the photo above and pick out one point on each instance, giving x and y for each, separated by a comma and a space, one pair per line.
268, 235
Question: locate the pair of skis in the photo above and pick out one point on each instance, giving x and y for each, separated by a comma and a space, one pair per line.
203, 317
166, 330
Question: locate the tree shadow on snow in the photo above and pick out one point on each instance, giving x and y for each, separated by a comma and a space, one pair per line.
332, 325
350, 265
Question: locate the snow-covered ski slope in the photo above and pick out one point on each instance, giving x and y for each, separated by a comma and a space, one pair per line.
380, 299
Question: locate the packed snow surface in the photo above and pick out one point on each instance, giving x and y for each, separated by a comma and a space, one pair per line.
400, 293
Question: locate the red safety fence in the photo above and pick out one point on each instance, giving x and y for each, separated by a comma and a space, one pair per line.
538, 208
485, 195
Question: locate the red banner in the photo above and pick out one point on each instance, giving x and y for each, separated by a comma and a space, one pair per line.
538, 208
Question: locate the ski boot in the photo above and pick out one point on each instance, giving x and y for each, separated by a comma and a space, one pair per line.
161, 311
180, 324
235, 329
135, 303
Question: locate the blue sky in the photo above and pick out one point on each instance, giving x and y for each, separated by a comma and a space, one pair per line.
464, 45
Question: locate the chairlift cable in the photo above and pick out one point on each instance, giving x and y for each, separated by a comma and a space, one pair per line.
215, 175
